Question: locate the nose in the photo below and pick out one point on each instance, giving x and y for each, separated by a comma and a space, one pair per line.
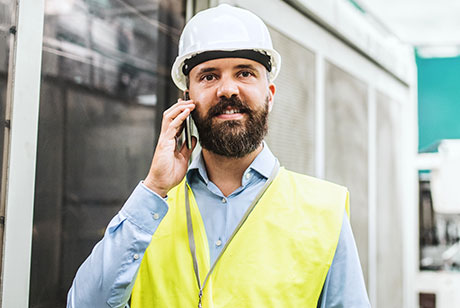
227, 87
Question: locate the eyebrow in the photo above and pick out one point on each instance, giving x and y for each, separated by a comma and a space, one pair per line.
206, 70
249, 66
213, 69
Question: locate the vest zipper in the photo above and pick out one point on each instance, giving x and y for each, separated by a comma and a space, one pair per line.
200, 295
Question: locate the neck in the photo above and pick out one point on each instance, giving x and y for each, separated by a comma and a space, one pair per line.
226, 172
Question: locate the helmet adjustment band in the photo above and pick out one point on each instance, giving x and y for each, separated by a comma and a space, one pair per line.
250, 54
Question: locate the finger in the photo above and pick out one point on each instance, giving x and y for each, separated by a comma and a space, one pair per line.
180, 102
176, 108
174, 127
179, 120
169, 118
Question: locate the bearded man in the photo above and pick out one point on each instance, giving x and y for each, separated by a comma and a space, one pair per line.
233, 229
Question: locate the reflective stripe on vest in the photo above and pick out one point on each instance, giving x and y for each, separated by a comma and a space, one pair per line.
279, 258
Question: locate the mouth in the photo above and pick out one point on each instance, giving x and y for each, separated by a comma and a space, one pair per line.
230, 113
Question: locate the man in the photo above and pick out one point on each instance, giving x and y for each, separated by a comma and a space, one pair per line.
233, 229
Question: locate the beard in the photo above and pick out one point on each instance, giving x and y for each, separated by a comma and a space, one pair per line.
232, 138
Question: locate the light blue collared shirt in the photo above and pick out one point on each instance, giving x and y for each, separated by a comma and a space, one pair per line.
106, 278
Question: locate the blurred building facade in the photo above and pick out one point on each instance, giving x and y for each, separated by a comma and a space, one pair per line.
345, 110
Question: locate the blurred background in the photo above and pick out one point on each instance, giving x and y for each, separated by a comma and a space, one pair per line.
368, 96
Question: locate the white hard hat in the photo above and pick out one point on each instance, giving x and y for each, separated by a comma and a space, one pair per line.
221, 32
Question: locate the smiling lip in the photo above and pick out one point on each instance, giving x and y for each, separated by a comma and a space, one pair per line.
230, 114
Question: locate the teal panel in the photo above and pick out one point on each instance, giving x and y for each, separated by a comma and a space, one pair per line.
438, 100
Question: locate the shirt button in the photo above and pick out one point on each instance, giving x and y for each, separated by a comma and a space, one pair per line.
218, 243
136, 256
248, 176
224, 200
156, 216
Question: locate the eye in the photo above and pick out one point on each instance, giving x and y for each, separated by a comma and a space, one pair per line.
246, 74
208, 77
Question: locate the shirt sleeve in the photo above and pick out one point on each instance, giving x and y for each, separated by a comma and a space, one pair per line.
344, 285
107, 276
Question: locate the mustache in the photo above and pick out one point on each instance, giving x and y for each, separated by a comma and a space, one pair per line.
224, 102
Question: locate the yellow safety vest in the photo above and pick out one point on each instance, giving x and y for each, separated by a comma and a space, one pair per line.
279, 257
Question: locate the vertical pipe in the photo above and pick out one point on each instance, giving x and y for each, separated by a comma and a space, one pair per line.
6, 132
320, 126
25, 93
372, 195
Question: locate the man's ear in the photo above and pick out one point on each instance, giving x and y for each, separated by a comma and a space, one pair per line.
271, 96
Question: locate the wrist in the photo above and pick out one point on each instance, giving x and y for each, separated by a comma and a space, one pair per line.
150, 184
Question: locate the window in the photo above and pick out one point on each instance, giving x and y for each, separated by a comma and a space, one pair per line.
105, 83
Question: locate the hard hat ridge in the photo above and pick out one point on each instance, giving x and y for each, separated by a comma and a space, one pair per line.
222, 32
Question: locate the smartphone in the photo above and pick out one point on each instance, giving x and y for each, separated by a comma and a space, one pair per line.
188, 126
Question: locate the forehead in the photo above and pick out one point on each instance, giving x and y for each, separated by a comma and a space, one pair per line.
227, 64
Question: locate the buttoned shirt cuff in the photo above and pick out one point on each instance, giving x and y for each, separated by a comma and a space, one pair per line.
145, 208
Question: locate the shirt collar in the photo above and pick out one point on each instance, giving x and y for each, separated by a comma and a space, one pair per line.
262, 164
197, 167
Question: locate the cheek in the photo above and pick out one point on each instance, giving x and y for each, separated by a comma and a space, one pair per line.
199, 111
200, 96
200, 108
202, 99
257, 95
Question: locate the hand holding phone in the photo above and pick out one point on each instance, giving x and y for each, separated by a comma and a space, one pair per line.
171, 157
